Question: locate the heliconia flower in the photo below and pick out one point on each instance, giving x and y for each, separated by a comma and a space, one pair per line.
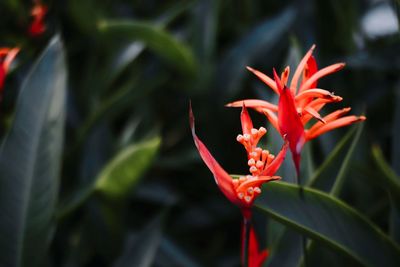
262, 164
7, 55
299, 103
255, 257
37, 26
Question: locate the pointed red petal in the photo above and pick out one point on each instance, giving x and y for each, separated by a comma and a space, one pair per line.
255, 257
277, 162
321, 73
314, 113
253, 103
12, 53
278, 82
245, 119
222, 178
299, 70
267, 80
344, 121
290, 125
310, 69
273, 119
2, 77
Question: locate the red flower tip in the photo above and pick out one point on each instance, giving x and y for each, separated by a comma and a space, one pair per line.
256, 257
7, 55
38, 13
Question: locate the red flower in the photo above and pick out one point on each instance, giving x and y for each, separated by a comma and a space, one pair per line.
7, 55
263, 165
38, 13
243, 191
298, 104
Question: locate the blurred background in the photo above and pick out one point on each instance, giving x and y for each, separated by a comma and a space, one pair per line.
133, 66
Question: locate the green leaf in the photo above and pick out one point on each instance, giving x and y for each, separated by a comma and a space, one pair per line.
328, 220
391, 182
157, 39
141, 250
120, 175
389, 178
30, 162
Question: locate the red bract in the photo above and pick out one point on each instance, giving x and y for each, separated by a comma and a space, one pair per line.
298, 104
38, 13
263, 165
7, 55
256, 257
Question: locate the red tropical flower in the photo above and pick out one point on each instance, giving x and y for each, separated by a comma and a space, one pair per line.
298, 104
7, 55
38, 12
243, 191
263, 165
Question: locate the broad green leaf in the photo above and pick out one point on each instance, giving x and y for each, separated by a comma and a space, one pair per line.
141, 249
30, 162
329, 220
157, 39
123, 172
176, 254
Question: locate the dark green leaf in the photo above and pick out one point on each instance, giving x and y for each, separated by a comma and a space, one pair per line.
328, 220
30, 162
157, 39
140, 250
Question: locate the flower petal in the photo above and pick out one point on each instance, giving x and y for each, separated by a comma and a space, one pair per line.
245, 120
273, 119
222, 178
310, 69
267, 80
285, 75
290, 125
314, 113
315, 93
255, 104
12, 53
333, 125
299, 70
321, 73
277, 162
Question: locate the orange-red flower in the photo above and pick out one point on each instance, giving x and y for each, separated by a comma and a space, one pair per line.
262, 164
243, 191
299, 103
7, 55
37, 26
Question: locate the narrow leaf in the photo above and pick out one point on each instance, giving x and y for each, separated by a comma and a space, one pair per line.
30, 162
123, 172
328, 220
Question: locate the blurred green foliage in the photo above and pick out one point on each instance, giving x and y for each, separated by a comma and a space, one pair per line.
127, 188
